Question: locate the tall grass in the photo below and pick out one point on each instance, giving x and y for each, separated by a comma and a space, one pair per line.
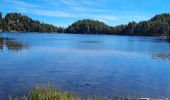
49, 92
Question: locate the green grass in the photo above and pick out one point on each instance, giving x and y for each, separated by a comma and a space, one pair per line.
49, 92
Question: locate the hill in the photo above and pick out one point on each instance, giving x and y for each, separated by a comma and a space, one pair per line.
158, 25
15, 22
89, 27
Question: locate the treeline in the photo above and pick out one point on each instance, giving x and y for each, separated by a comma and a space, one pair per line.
89, 27
159, 25
156, 26
15, 22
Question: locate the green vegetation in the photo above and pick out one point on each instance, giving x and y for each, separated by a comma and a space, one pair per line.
48, 92
0, 22
159, 25
51, 93
156, 26
15, 22
89, 26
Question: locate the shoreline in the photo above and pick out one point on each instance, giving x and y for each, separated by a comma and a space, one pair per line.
42, 92
83, 34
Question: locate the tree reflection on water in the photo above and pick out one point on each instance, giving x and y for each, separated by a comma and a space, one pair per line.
11, 44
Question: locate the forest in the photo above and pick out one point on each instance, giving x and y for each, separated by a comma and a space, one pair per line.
16, 22
158, 25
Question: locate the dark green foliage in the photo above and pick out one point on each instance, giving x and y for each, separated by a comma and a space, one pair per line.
157, 26
130, 28
47, 92
17, 22
118, 29
89, 26
0, 22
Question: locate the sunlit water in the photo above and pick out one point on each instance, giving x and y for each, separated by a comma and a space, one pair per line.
85, 64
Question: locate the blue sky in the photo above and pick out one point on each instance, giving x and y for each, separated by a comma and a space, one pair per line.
65, 12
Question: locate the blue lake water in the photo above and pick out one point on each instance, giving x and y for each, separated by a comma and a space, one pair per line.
85, 64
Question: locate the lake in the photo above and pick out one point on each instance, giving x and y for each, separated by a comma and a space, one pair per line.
88, 65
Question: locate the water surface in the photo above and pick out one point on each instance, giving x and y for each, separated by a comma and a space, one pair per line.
85, 64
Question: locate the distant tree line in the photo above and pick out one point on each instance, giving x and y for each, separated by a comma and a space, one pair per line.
88, 26
15, 22
156, 26
159, 25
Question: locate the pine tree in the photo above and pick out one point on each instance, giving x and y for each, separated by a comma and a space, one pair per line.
0, 21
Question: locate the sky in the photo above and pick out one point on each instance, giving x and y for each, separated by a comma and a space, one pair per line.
65, 12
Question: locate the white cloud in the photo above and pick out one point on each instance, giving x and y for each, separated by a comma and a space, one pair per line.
21, 3
79, 9
51, 13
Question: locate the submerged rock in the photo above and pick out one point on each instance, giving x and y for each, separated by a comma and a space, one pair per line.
165, 56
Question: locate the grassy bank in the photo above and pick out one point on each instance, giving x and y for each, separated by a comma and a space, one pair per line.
48, 92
